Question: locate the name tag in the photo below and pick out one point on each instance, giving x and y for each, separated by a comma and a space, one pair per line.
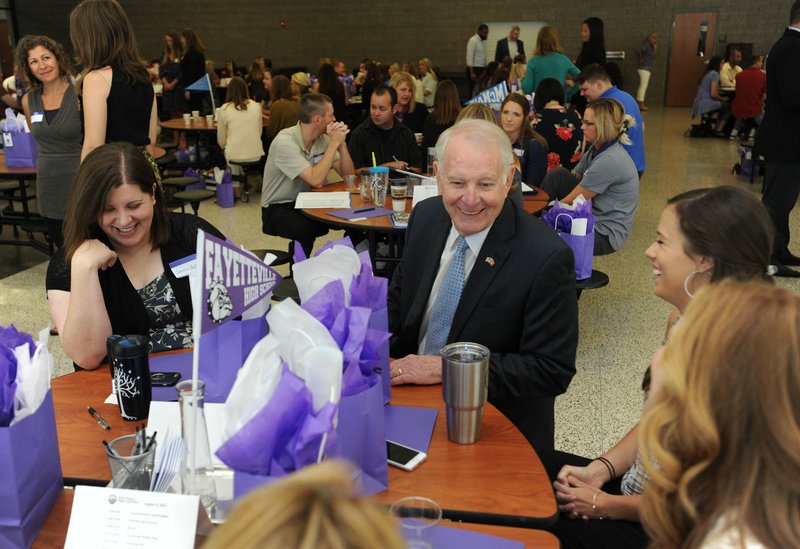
317, 157
184, 267
519, 152
37, 117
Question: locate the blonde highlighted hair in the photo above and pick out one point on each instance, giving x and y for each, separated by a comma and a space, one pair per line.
315, 508
611, 121
402, 77
721, 441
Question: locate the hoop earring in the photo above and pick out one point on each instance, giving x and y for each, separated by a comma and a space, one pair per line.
689, 277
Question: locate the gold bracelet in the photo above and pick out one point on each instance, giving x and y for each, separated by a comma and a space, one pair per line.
594, 504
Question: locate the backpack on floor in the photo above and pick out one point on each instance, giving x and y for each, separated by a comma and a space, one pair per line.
698, 130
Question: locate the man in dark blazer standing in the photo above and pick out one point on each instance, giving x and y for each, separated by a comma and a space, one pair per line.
509, 46
518, 297
778, 139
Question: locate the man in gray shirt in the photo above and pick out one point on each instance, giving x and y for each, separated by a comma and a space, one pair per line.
299, 159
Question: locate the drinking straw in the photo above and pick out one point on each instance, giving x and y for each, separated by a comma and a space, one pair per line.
374, 164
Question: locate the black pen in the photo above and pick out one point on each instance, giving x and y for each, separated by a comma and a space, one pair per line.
150, 444
360, 210
100, 421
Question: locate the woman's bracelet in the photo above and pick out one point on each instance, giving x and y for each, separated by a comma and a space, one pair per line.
594, 505
611, 471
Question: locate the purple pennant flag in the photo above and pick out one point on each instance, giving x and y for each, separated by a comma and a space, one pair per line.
232, 280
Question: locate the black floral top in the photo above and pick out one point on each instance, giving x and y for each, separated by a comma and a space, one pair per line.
169, 328
562, 130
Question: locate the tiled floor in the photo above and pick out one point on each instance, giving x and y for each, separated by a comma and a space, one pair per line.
621, 325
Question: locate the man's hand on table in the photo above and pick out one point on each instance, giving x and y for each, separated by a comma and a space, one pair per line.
417, 370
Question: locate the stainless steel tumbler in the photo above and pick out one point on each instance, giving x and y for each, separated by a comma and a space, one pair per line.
465, 385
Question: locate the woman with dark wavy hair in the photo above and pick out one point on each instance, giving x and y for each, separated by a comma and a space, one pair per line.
51, 109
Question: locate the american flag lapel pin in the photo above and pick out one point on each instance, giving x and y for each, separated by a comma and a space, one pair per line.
490, 261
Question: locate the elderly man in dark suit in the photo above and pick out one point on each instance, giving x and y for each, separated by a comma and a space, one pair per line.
477, 268
509, 46
778, 139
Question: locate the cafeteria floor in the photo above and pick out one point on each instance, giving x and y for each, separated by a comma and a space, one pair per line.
621, 325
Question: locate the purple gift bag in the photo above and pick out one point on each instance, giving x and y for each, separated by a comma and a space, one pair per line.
223, 350
583, 250
30, 475
225, 190
362, 437
21, 149
200, 185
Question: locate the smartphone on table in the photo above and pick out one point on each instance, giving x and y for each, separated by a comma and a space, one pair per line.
404, 457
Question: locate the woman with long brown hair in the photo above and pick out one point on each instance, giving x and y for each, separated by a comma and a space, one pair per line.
117, 98
721, 441
239, 125
193, 66
446, 107
548, 61
284, 110
528, 145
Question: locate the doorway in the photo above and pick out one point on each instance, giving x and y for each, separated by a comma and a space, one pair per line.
692, 45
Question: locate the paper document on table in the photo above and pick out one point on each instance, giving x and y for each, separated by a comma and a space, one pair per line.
526, 188
110, 517
313, 200
426, 179
166, 417
421, 192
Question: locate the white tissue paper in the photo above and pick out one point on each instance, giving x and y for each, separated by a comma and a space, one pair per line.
255, 383
298, 332
323, 369
33, 377
338, 262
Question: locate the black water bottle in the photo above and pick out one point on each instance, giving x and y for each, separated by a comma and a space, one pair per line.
131, 374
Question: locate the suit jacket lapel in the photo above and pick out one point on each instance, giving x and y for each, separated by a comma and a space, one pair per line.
483, 272
438, 238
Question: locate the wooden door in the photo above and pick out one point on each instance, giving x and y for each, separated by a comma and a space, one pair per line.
691, 46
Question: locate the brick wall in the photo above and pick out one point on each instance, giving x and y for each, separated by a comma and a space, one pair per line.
393, 31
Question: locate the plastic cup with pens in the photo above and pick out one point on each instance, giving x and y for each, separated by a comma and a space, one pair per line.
131, 459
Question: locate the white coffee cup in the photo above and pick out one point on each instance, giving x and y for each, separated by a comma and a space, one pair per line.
187, 119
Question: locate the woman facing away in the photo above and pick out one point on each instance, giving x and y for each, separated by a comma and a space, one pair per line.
561, 127
548, 61
51, 109
704, 236
316, 508
117, 98
239, 125
721, 441
113, 274
446, 107
605, 174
